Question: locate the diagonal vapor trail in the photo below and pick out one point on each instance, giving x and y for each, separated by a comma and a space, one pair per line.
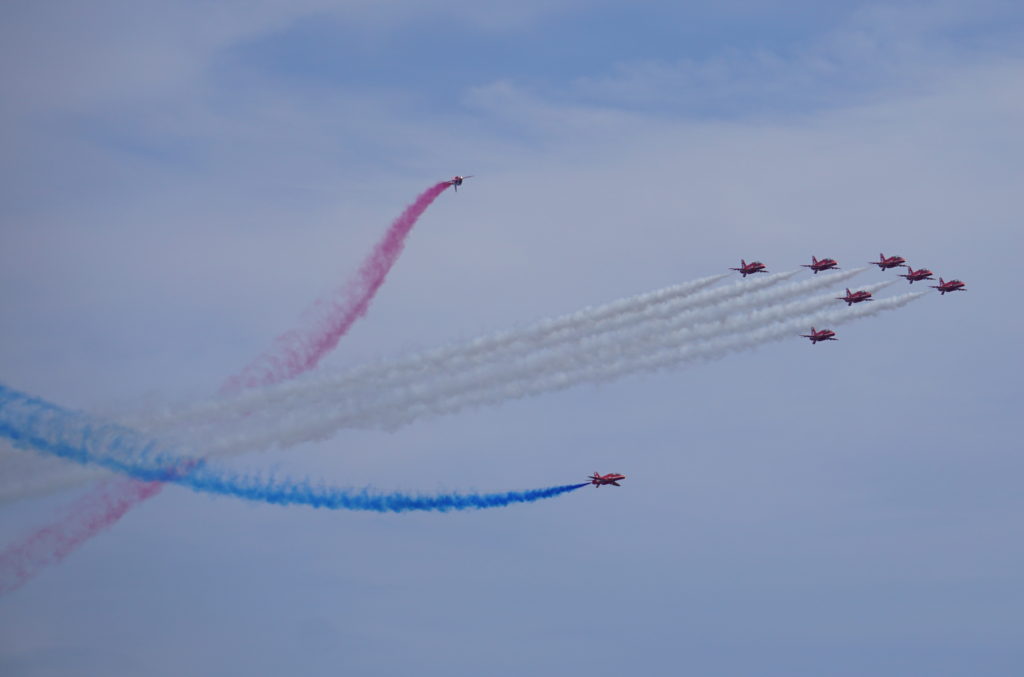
667, 356
489, 347
534, 360
502, 348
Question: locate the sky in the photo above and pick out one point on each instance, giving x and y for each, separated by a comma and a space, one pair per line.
179, 181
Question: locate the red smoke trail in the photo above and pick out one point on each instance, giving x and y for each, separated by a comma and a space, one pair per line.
84, 518
299, 350
293, 353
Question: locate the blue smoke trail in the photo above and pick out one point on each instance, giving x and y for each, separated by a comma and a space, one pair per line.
35, 423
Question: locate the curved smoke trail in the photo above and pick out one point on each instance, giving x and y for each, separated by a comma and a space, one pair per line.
298, 351
293, 353
34, 423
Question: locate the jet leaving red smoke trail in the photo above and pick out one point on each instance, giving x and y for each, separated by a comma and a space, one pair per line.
293, 353
299, 350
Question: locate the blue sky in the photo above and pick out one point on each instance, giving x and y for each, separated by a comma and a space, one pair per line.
180, 181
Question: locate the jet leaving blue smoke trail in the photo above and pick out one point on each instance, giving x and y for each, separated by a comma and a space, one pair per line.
32, 422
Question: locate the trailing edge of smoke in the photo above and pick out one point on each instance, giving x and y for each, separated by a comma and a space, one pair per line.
36, 424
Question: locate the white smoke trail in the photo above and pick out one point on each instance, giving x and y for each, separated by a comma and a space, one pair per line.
667, 356
539, 372
378, 374
353, 387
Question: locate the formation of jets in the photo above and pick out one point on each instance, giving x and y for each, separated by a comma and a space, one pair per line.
817, 335
611, 478
817, 265
884, 262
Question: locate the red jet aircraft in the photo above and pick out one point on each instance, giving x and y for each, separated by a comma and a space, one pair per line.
824, 264
456, 181
952, 285
750, 268
820, 335
891, 262
854, 297
919, 274
611, 478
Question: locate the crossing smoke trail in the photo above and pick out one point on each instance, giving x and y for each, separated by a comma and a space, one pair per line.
298, 351
292, 353
688, 344
618, 354
42, 475
54, 477
34, 423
